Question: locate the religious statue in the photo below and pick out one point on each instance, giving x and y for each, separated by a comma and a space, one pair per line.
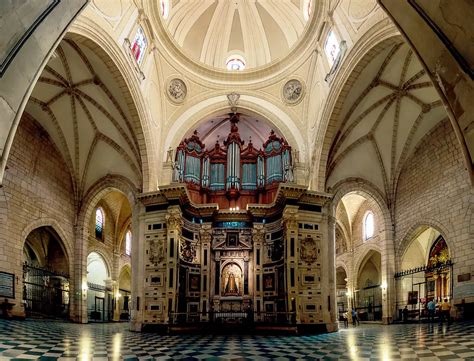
169, 155
231, 288
177, 173
288, 175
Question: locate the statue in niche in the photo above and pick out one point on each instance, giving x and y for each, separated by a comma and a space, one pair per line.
232, 276
231, 287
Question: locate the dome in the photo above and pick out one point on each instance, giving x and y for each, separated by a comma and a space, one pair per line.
236, 34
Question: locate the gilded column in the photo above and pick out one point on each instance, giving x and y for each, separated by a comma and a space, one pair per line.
174, 224
206, 239
258, 237
290, 224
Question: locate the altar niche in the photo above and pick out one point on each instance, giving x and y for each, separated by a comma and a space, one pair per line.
232, 280
232, 251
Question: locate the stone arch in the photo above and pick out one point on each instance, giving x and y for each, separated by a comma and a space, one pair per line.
123, 231
107, 261
49, 222
385, 248
364, 188
341, 264
95, 193
110, 53
378, 38
362, 260
204, 108
343, 231
125, 269
414, 231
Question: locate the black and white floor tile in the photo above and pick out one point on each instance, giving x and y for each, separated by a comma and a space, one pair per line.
53, 340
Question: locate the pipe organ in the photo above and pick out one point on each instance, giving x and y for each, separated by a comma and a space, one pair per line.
232, 174
207, 261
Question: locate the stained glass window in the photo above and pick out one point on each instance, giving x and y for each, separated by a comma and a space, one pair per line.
369, 225
128, 243
331, 47
139, 45
99, 223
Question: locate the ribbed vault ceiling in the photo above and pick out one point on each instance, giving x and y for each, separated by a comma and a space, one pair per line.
389, 108
79, 101
261, 31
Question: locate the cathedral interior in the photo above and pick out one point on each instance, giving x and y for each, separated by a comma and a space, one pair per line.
175, 165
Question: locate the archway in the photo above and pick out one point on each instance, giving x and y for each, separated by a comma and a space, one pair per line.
45, 274
368, 294
98, 295
124, 291
425, 272
341, 292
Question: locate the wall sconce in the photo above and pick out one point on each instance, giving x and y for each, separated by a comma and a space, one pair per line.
348, 294
118, 295
383, 286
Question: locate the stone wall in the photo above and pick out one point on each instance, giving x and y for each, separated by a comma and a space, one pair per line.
38, 192
434, 190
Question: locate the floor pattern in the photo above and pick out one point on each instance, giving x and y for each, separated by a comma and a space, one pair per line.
49, 340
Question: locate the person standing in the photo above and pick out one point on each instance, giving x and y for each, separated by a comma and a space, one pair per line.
345, 316
355, 318
405, 314
431, 310
445, 311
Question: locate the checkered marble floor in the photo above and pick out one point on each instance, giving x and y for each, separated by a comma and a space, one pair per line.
52, 340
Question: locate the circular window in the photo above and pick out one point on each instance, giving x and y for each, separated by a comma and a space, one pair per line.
235, 62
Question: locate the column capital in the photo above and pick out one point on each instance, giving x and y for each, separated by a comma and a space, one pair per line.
290, 217
173, 218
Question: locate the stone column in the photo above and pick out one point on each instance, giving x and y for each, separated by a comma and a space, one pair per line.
174, 224
78, 284
290, 224
206, 239
258, 237
330, 265
388, 277
137, 296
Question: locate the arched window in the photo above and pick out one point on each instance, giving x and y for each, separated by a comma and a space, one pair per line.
99, 224
307, 9
235, 62
369, 226
165, 8
331, 48
128, 243
139, 45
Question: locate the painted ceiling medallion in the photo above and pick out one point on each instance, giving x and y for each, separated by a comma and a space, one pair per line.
293, 91
177, 90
